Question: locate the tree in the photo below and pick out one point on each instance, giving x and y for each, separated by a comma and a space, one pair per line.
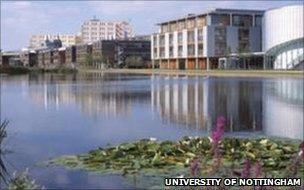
88, 60
134, 62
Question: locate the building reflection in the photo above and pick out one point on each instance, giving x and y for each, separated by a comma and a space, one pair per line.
271, 106
199, 102
283, 108
98, 94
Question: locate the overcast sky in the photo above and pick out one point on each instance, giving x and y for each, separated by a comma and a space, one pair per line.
21, 19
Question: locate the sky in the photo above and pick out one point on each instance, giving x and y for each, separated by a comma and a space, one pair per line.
21, 19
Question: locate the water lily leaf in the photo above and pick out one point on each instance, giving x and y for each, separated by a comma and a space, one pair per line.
251, 155
264, 142
274, 146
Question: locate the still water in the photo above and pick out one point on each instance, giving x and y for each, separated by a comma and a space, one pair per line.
52, 115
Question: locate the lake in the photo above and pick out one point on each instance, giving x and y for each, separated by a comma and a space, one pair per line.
52, 115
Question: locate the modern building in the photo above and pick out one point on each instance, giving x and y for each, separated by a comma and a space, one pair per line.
283, 39
38, 41
116, 53
95, 30
133, 53
198, 41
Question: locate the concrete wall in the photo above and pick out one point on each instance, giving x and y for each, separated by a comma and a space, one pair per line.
282, 25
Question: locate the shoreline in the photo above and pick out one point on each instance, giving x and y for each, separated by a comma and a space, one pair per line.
216, 73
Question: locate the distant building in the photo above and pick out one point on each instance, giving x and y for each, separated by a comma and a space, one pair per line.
37, 41
95, 29
51, 44
10, 58
114, 53
127, 51
28, 58
198, 41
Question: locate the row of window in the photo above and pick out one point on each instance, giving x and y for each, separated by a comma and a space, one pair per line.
182, 24
191, 51
190, 38
97, 34
100, 28
237, 20
99, 23
216, 19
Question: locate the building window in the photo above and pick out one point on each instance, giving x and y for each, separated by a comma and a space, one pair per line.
180, 38
190, 36
154, 40
220, 20
162, 40
164, 28
181, 25
171, 39
171, 52
173, 27
191, 23
155, 52
162, 52
220, 40
200, 36
242, 20
201, 21
191, 51
258, 20
200, 49
180, 51
244, 41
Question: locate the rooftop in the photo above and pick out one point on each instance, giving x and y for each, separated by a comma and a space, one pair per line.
217, 11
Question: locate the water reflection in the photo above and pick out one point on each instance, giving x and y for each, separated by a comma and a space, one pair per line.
283, 108
96, 94
197, 101
267, 105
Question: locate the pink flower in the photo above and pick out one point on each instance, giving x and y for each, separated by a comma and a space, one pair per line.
218, 133
258, 169
246, 170
195, 167
216, 136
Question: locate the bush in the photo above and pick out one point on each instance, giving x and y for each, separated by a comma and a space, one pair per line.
134, 62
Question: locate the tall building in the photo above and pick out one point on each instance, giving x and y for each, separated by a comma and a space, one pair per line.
36, 41
95, 29
198, 41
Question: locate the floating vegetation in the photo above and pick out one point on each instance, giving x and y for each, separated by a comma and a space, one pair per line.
22, 181
270, 158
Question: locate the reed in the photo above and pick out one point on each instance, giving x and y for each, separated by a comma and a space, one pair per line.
3, 135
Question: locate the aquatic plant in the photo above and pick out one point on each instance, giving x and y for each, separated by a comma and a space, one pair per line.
174, 158
246, 170
195, 167
22, 181
216, 136
258, 169
3, 135
297, 161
